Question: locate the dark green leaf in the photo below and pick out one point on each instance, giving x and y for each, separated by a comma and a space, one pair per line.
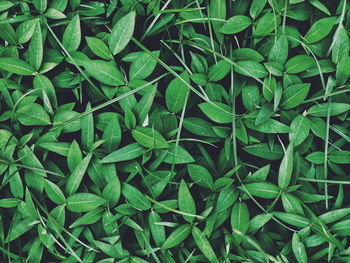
135, 197
186, 202
204, 245
126, 153
16, 66
72, 35
84, 202
320, 29
236, 24
122, 32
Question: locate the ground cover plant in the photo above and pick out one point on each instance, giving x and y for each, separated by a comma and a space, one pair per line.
174, 131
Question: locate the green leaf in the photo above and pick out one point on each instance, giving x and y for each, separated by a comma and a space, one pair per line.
299, 249
299, 129
256, 8
341, 45
217, 10
99, 47
158, 231
149, 138
186, 202
315, 157
219, 70
335, 215
7, 33
258, 222
265, 113
40, 5
77, 175
42, 82
226, 198
291, 204
33, 114
251, 96
36, 48
144, 105
343, 70
340, 156
61, 148
182, 156
112, 135
320, 29
251, 69
84, 202
54, 193
17, 66
294, 220
266, 24
127, 153
294, 95
236, 24
4, 5
122, 32
342, 228
54, 14
240, 219
286, 167
262, 190
176, 93
279, 51
72, 35
25, 30
112, 190
177, 236
215, 114
200, 175
269, 126
199, 127
204, 245
321, 110
143, 66
320, 6
19, 229
9, 202
298, 64
105, 72
28, 158
74, 155
135, 197
89, 218
87, 129
264, 151
247, 54
130, 120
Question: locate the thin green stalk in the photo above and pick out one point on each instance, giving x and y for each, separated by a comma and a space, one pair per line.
323, 181
325, 164
326, 96
172, 209
199, 19
178, 135
154, 21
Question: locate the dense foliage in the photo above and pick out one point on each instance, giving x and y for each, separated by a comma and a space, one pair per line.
174, 131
